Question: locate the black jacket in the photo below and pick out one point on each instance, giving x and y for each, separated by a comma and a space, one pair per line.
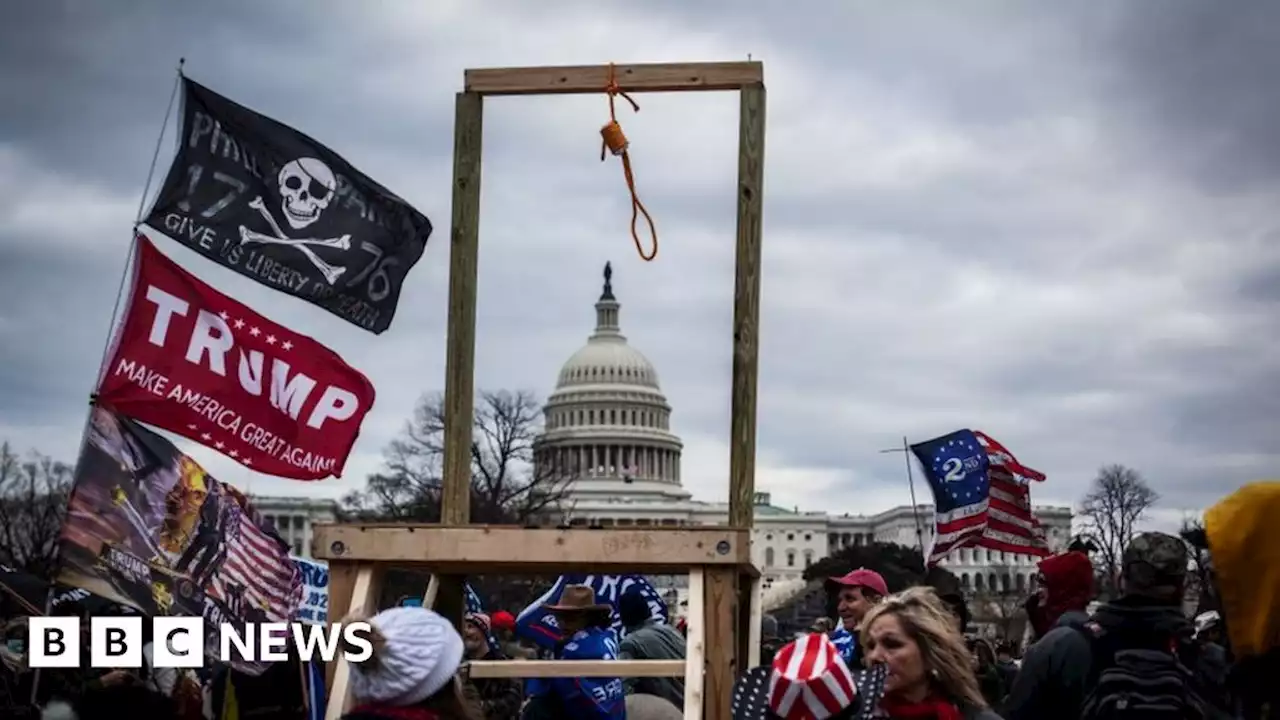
1057, 670
1051, 682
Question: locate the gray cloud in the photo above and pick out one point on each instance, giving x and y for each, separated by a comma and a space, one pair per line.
1050, 224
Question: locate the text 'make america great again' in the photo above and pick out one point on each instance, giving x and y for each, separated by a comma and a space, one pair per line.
194, 361
263, 199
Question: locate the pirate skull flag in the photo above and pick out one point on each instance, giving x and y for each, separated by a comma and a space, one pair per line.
274, 205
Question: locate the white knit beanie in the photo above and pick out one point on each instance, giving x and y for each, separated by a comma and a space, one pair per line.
421, 655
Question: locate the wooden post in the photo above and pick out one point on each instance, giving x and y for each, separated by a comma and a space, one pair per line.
695, 646
342, 583
459, 384
363, 600
721, 650
746, 308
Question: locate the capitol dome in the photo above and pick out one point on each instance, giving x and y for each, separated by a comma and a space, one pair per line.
607, 425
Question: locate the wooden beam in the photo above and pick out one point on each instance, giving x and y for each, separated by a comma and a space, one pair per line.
721, 650
459, 376
364, 600
755, 618
342, 582
574, 668
695, 646
746, 308
479, 549
581, 79
460, 361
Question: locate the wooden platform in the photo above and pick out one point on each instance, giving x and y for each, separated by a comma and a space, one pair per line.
477, 549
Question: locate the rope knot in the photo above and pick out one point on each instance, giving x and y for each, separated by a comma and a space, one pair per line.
614, 141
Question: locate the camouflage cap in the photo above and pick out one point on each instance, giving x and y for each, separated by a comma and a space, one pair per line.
1154, 562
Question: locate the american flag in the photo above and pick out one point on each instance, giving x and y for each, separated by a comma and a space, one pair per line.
257, 571
981, 495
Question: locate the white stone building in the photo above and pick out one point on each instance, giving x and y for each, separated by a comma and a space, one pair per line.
608, 432
294, 517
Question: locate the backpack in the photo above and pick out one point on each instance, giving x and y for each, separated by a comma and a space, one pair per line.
1142, 679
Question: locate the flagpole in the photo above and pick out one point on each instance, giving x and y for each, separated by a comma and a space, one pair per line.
911, 485
133, 239
111, 327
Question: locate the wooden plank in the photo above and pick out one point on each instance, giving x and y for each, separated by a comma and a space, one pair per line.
721, 612
459, 380
464, 248
755, 617
633, 78
342, 582
481, 549
433, 591
574, 668
748, 617
364, 599
746, 308
695, 646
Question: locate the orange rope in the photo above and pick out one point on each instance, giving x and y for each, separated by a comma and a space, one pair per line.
614, 141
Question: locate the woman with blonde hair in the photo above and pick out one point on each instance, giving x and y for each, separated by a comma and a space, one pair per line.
931, 673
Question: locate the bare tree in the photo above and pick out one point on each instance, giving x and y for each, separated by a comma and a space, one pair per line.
33, 503
1119, 498
507, 487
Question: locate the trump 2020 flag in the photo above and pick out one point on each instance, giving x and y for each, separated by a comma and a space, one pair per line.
537, 625
261, 198
980, 497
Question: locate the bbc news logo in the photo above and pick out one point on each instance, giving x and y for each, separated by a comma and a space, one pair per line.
179, 642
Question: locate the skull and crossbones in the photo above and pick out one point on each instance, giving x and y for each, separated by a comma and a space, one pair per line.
307, 186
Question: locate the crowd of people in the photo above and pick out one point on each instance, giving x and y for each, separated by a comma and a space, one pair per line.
898, 653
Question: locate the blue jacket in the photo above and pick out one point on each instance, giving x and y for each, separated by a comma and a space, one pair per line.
595, 698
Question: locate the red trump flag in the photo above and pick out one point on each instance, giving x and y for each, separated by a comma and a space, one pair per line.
196, 362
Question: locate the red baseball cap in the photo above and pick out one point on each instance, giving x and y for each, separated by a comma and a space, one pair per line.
862, 577
503, 620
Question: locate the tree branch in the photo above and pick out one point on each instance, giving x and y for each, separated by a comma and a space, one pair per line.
506, 487
1111, 510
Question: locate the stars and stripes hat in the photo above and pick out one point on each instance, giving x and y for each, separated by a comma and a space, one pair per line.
808, 681
760, 694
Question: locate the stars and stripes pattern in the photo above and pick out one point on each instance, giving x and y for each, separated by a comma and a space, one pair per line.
257, 567
810, 681
981, 495
1000, 457
751, 693
871, 682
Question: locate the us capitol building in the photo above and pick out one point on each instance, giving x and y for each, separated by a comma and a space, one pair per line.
608, 427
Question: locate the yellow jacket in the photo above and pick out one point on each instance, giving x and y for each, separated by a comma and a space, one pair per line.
1244, 540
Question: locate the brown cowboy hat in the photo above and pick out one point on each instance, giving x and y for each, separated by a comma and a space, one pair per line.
579, 599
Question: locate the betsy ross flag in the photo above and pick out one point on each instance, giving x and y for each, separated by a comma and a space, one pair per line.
980, 495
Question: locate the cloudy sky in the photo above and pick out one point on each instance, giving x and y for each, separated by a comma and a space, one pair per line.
1054, 224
